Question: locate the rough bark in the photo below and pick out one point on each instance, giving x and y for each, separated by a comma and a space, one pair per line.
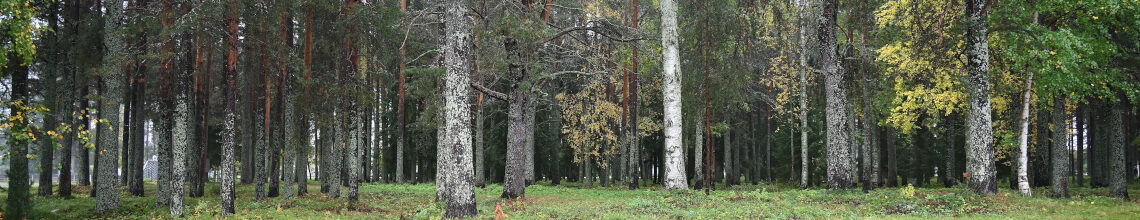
227, 172
53, 97
107, 197
980, 164
1060, 152
1117, 181
838, 134
181, 137
480, 169
460, 202
19, 202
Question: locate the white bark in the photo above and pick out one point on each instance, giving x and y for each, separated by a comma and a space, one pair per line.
1023, 141
674, 154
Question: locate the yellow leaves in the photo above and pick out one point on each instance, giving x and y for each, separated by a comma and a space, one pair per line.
590, 120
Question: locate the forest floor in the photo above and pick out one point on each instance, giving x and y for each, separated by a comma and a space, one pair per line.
388, 201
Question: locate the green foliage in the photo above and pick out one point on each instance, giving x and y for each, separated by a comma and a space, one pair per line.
16, 24
545, 201
1077, 49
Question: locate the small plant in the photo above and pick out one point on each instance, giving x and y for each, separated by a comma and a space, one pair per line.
907, 191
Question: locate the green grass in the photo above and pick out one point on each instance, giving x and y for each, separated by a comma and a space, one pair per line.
386, 201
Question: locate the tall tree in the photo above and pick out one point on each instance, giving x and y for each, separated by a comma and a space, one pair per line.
107, 197
1023, 141
674, 154
459, 187
980, 164
804, 69
162, 128
400, 117
1060, 149
231, 41
19, 203
1117, 181
838, 132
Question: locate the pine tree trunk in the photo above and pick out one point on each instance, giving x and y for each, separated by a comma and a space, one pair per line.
480, 169
227, 172
1060, 152
980, 163
1117, 181
107, 197
54, 98
19, 202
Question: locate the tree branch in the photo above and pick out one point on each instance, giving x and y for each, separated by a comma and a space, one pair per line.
489, 92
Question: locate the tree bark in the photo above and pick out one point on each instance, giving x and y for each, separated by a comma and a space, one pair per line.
227, 173
163, 123
804, 69
698, 152
107, 197
19, 202
460, 201
838, 134
980, 164
1023, 141
674, 153
1060, 152
1117, 181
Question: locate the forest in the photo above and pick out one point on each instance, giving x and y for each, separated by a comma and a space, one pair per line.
569, 109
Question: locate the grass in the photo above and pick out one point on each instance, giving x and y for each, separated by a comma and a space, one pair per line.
388, 201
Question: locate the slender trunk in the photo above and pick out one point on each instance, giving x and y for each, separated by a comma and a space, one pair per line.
804, 69
729, 170
980, 164
400, 124
892, 159
480, 170
1082, 122
698, 152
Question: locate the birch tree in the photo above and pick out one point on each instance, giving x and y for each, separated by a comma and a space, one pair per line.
674, 154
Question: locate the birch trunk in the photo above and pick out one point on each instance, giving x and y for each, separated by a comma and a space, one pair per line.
674, 153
